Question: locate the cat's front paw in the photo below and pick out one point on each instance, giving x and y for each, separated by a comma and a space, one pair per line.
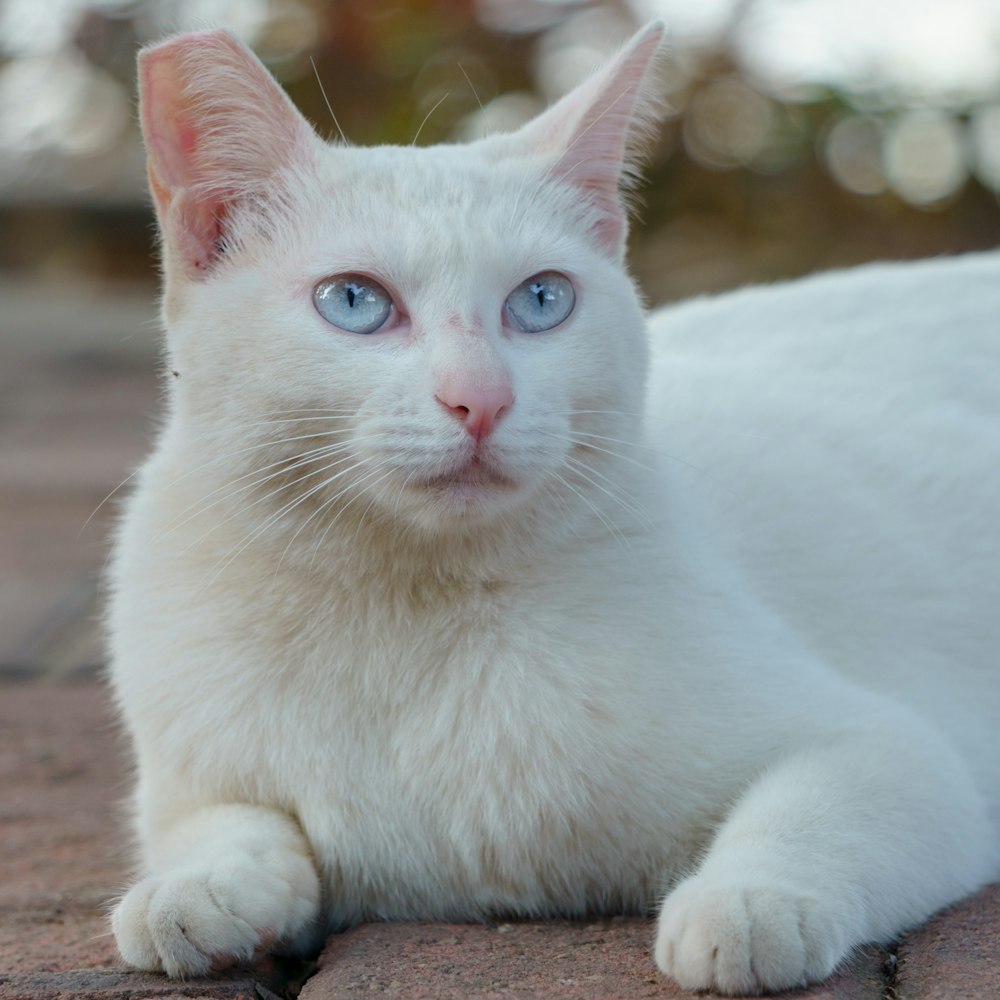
190, 922
744, 938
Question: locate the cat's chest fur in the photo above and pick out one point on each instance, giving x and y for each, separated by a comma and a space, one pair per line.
483, 742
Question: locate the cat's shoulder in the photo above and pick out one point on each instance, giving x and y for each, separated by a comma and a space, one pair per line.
892, 301
910, 348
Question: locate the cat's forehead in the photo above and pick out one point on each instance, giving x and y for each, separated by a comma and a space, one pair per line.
458, 190
431, 177
453, 206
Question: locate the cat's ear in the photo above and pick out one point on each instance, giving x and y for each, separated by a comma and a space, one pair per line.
595, 132
218, 131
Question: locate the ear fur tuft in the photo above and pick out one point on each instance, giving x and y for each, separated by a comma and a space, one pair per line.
219, 131
598, 131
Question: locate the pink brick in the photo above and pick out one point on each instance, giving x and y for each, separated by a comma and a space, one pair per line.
557, 959
956, 955
63, 855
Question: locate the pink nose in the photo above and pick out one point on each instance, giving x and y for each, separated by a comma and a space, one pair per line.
478, 408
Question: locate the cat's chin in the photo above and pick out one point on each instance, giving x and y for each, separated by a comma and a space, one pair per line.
475, 490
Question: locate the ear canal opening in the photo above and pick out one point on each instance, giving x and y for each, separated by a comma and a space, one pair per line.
201, 231
216, 241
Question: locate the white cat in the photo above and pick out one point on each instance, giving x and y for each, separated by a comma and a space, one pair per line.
420, 612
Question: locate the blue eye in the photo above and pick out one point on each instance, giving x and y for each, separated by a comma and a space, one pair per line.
353, 303
540, 303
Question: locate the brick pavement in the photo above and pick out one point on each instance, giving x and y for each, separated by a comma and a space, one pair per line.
77, 395
558, 959
76, 391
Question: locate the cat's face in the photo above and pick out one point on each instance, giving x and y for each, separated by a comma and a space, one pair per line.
442, 335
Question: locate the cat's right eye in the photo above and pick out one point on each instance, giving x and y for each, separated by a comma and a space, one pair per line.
540, 303
353, 302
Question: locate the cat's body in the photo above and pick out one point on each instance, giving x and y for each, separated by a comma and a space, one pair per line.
520, 648
843, 439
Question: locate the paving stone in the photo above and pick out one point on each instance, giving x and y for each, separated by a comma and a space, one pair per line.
560, 959
77, 398
62, 847
64, 854
956, 955
117, 984
49, 584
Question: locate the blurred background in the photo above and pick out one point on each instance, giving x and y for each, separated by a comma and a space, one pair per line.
799, 135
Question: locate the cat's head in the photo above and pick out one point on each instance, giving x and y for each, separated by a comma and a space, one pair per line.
441, 335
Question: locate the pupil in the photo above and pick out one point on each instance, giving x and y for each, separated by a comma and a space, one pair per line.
351, 295
539, 291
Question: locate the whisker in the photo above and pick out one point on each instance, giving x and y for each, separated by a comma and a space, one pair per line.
440, 101
319, 510
330, 415
103, 936
326, 100
286, 507
277, 516
335, 410
364, 513
298, 461
299, 420
602, 517
215, 460
401, 492
471, 87
620, 496
200, 437
550, 491
200, 507
610, 413
340, 513
93, 513
677, 420
573, 438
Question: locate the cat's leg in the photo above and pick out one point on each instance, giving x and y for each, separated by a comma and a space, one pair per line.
830, 848
225, 883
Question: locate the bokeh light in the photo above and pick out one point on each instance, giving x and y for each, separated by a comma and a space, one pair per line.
791, 128
985, 144
76, 108
924, 156
852, 148
909, 51
728, 124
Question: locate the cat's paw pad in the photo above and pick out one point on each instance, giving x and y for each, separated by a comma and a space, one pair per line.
744, 939
190, 923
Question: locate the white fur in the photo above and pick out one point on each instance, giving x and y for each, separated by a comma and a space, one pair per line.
739, 644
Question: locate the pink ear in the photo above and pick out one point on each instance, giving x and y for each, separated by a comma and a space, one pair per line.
218, 131
593, 128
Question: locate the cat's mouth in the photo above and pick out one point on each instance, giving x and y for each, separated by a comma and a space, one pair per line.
474, 474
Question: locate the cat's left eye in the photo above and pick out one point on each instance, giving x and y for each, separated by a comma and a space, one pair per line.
353, 302
540, 303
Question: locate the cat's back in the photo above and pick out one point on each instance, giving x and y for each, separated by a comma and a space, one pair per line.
842, 436
871, 339
878, 385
